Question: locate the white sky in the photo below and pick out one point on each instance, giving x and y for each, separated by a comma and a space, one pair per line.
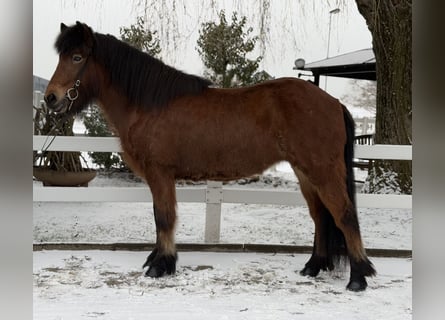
296, 31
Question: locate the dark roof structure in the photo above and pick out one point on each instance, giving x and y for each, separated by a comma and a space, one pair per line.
359, 64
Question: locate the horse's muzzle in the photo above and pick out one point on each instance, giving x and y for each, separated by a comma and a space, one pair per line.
50, 99
56, 106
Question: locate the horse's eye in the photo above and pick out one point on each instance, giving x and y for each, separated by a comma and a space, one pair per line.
77, 58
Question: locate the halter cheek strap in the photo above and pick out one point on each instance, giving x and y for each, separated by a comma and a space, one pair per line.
72, 93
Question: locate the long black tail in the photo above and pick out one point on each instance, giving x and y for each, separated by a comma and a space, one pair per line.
349, 154
365, 267
336, 244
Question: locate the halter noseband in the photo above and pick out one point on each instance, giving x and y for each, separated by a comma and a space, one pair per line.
72, 93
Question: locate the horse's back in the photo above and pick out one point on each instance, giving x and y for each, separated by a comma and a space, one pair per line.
288, 95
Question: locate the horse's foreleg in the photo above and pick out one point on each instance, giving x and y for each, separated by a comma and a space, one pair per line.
162, 259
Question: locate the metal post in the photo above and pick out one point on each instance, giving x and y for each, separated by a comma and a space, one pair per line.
337, 10
334, 11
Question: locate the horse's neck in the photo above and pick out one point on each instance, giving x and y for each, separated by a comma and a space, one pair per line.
117, 112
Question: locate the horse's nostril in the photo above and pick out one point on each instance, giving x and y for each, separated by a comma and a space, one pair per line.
50, 99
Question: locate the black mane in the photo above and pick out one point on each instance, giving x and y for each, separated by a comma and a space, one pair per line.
146, 81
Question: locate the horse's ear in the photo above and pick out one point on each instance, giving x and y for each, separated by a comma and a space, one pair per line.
88, 33
62, 27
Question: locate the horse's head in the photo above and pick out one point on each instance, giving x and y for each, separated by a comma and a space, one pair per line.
71, 86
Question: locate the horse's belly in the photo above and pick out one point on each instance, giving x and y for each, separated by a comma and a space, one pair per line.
225, 163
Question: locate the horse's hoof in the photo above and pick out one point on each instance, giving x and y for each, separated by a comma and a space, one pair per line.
310, 272
357, 285
154, 272
160, 265
150, 258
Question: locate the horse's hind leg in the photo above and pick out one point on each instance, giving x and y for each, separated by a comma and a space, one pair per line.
327, 239
334, 195
162, 259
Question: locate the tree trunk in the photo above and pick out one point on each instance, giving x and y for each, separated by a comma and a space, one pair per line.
390, 24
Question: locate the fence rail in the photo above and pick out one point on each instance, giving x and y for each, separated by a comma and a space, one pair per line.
112, 144
213, 195
199, 195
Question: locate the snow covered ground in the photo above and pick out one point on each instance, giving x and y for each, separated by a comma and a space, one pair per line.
110, 285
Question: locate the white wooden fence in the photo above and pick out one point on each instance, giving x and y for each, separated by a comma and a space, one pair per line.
364, 125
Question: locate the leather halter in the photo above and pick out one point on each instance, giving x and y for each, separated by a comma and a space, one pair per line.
72, 93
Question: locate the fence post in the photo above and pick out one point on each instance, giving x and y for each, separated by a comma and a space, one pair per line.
365, 125
214, 198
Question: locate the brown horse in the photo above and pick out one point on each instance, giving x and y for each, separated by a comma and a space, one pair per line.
173, 125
